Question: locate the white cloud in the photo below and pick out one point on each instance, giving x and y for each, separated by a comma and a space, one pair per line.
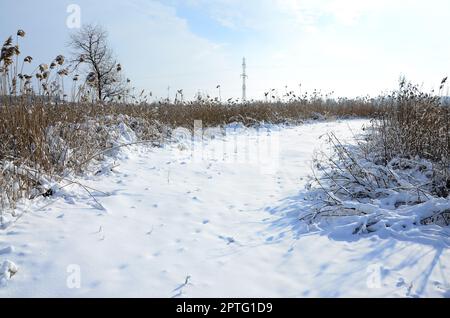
158, 49
337, 56
308, 15
237, 14
347, 12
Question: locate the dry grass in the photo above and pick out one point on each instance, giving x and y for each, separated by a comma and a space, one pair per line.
401, 161
413, 123
43, 140
51, 124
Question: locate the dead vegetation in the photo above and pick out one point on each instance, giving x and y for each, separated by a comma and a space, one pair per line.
57, 117
401, 162
50, 138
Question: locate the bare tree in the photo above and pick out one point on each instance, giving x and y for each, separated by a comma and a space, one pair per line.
93, 55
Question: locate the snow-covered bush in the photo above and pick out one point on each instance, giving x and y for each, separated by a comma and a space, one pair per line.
353, 194
41, 153
397, 175
413, 123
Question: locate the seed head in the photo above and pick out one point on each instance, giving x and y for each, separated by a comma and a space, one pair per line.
43, 67
8, 41
60, 59
63, 72
16, 50
91, 78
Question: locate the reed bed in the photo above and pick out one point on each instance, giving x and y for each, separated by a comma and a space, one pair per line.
52, 123
401, 163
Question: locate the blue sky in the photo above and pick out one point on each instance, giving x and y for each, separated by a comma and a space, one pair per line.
350, 47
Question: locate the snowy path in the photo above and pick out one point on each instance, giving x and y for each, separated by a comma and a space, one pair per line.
174, 228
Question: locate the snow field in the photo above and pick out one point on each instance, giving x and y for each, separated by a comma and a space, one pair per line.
166, 224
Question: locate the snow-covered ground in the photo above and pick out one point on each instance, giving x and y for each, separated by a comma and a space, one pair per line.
168, 225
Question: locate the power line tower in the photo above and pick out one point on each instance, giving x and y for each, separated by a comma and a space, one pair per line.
244, 81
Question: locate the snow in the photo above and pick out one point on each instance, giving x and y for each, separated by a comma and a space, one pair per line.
356, 195
7, 270
204, 221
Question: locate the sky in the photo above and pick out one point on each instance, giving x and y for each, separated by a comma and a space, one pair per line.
349, 47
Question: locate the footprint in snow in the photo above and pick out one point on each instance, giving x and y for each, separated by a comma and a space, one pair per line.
7, 270
180, 289
123, 267
400, 283
7, 250
440, 287
229, 240
69, 200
